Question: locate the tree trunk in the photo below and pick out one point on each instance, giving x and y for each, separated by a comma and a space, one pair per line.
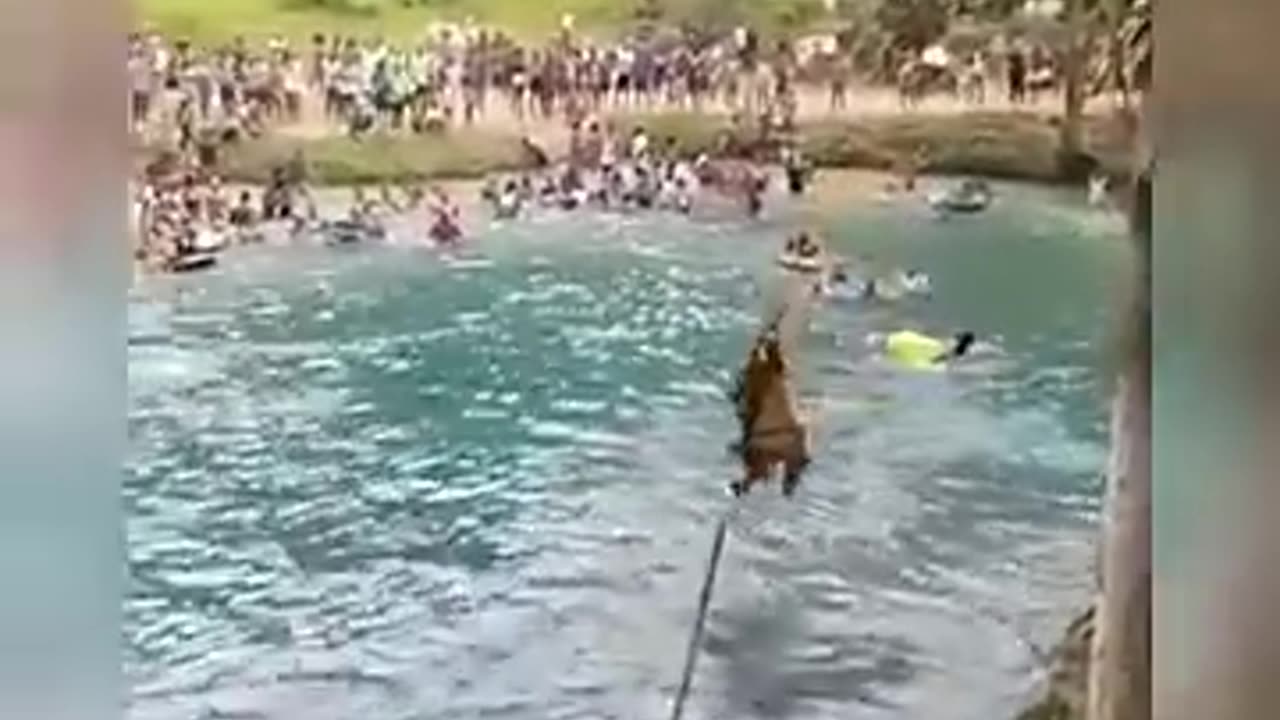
1120, 671
1117, 57
1071, 143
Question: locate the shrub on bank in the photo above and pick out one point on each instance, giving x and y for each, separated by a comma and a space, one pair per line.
1002, 145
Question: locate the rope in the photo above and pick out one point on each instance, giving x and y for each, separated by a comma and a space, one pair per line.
704, 601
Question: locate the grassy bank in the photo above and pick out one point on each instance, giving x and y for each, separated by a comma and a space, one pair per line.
999, 145
1019, 146
385, 158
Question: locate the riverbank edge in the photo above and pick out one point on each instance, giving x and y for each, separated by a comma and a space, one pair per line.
1066, 688
1000, 145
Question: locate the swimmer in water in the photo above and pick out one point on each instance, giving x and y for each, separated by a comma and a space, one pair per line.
802, 252
918, 351
915, 282
897, 286
507, 203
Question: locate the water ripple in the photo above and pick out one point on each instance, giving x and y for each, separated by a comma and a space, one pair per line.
372, 485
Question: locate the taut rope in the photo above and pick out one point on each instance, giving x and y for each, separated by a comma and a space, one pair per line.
704, 601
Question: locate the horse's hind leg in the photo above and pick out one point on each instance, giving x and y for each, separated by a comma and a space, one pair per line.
797, 460
756, 469
791, 478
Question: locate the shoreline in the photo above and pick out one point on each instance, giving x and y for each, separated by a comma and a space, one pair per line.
994, 144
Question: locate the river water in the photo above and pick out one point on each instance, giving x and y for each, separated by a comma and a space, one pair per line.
368, 484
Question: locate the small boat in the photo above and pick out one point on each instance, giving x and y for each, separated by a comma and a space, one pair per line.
803, 254
843, 292
193, 262
801, 263
972, 196
570, 200
208, 240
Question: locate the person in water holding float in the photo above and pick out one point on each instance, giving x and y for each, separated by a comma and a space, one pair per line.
917, 351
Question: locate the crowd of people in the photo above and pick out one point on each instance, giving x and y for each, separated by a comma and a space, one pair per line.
194, 100
607, 169
185, 92
457, 74
184, 215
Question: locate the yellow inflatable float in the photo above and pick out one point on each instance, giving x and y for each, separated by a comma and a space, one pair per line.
918, 351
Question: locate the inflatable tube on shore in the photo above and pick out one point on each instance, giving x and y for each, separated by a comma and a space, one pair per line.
968, 198
193, 262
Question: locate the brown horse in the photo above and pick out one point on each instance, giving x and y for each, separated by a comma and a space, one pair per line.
772, 431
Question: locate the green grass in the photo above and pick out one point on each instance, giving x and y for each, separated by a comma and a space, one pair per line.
992, 144
379, 158
1021, 146
1004, 145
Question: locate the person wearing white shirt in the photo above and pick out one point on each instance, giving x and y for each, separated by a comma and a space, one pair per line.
639, 144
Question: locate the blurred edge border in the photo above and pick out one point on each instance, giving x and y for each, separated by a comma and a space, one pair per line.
63, 376
1217, 580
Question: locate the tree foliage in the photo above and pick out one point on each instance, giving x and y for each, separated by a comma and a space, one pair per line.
913, 25
1140, 45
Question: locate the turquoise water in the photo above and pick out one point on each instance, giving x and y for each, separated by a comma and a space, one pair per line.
365, 484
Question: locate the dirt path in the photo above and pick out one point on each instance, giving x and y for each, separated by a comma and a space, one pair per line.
813, 105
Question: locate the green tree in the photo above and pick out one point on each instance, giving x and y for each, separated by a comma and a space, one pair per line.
913, 25
1069, 36
1074, 57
